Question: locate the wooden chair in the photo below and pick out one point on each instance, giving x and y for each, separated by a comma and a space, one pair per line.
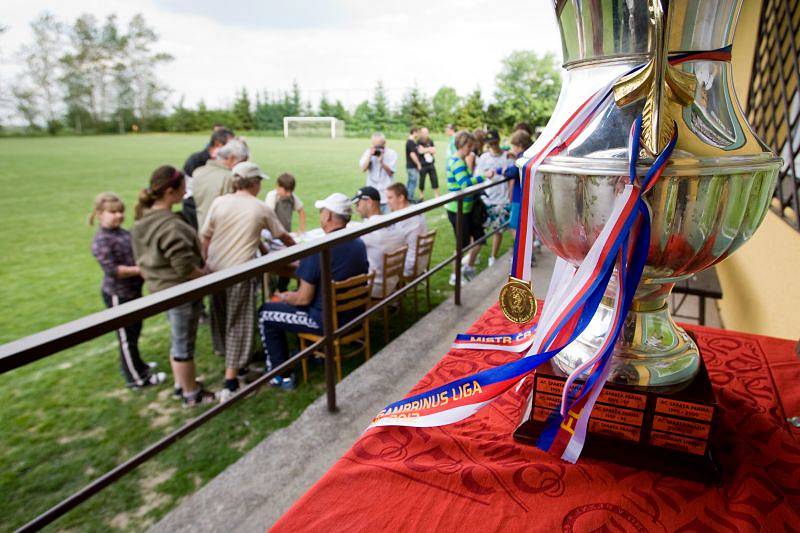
393, 265
422, 263
348, 295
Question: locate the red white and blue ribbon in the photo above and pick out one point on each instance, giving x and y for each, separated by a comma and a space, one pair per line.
504, 342
620, 251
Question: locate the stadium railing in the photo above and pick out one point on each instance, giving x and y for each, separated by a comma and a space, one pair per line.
29, 349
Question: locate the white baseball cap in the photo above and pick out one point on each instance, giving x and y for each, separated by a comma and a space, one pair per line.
336, 202
248, 169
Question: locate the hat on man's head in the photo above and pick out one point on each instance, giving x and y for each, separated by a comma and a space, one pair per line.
492, 136
248, 169
337, 203
367, 192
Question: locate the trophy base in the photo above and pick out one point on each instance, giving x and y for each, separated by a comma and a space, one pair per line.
652, 351
664, 430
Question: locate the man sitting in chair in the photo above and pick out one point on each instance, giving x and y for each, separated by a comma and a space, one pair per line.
379, 242
410, 228
300, 311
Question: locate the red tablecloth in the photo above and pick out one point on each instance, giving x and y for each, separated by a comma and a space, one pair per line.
472, 476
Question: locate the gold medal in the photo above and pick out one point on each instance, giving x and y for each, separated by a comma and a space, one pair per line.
517, 300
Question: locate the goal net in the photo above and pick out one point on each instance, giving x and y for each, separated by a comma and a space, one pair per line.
313, 127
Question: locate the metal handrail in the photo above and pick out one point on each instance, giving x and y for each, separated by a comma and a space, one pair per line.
34, 347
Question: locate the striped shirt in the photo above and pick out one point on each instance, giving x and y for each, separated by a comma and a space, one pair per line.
459, 178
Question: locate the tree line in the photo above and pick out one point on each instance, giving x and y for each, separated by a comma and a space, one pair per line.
100, 77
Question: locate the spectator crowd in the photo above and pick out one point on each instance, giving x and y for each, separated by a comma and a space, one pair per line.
224, 222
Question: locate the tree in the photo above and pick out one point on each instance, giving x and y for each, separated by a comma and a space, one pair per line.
76, 76
415, 109
295, 102
470, 114
445, 105
243, 117
527, 88
182, 119
338, 110
149, 93
325, 107
380, 116
25, 102
362, 118
41, 60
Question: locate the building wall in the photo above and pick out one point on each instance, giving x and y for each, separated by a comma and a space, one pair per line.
761, 281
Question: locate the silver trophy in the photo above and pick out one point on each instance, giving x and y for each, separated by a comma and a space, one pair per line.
712, 196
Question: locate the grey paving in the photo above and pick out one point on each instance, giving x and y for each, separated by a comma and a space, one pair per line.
251, 494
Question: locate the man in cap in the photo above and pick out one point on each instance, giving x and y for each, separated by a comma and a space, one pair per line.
300, 311
231, 235
368, 204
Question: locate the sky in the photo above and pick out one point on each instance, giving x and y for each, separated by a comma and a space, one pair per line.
339, 47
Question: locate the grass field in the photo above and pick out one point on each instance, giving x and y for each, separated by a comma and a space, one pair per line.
67, 419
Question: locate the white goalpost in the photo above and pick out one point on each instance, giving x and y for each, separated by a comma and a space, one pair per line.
318, 126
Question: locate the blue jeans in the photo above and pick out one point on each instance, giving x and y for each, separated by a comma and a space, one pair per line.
412, 183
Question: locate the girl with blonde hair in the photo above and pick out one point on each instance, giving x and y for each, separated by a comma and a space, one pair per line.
122, 283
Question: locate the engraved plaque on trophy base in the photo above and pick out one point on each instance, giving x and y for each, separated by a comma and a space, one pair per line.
667, 430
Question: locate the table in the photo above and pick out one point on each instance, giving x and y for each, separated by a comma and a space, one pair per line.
472, 476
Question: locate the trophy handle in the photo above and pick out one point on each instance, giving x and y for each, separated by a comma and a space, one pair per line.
660, 85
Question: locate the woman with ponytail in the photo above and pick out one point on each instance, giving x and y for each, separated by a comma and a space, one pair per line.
168, 253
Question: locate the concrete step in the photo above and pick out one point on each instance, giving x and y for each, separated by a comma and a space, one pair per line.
251, 494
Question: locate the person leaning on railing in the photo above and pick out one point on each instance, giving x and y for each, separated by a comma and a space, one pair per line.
167, 252
459, 178
232, 236
300, 311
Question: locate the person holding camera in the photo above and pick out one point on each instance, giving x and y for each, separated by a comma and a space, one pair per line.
380, 163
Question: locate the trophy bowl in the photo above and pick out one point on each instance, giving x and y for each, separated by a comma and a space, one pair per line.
711, 197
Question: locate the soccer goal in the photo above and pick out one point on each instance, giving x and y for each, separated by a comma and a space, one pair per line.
313, 126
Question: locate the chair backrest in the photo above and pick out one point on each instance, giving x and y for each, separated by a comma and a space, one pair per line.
351, 294
422, 261
393, 265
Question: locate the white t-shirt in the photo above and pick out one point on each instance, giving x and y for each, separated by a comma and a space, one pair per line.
497, 195
234, 223
378, 243
376, 175
411, 228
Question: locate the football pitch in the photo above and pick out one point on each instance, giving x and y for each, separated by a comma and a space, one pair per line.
68, 418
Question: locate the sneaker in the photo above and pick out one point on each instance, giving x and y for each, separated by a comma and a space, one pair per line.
288, 383
225, 394
468, 273
277, 381
156, 378
177, 393
452, 280
492, 260
200, 397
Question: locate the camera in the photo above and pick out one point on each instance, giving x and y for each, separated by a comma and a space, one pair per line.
377, 151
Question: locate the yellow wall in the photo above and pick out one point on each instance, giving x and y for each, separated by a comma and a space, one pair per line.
760, 282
